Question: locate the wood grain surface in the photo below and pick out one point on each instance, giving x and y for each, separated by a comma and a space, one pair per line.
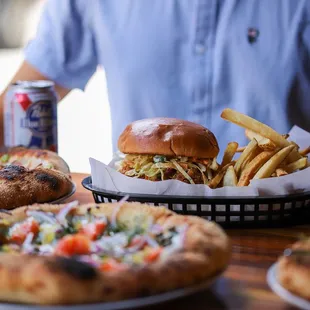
243, 285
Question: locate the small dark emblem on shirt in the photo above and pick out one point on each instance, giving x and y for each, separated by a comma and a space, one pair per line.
253, 34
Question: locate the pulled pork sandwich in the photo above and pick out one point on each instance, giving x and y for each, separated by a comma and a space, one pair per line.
160, 149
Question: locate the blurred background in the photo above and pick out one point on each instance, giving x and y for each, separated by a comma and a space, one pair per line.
88, 133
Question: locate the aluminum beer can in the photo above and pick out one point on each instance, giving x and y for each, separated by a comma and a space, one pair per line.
30, 115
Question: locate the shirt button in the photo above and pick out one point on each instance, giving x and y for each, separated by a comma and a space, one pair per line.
200, 48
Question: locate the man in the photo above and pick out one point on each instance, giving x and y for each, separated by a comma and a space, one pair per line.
188, 59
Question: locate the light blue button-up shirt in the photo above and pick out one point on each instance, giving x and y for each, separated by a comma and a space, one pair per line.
188, 59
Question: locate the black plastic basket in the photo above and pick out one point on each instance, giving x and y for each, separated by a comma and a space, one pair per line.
230, 212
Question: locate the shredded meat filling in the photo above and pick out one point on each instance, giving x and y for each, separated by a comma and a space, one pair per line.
159, 168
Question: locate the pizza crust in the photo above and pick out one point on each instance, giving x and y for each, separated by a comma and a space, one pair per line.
44, 280
55, 280
20, 186
31, 158
293, 275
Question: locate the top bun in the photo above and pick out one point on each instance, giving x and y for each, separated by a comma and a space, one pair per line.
169, 137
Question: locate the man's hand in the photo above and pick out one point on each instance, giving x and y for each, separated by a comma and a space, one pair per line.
27, 72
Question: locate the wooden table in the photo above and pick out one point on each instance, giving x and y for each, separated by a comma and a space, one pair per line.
243, 285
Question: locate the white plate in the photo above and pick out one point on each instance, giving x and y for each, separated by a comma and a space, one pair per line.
284, 293
118, 305
61, 199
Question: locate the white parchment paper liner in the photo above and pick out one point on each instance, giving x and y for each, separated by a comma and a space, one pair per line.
105, 177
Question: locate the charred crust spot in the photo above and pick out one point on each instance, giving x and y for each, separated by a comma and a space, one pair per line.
107, 290
166, 270
12, 172
73, 268
97, 207
89, 209
178, 265
144, 292
48, 179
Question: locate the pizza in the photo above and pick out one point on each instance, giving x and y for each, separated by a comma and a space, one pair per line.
33, 158
294, 269
30, 176
71, 254
20, 186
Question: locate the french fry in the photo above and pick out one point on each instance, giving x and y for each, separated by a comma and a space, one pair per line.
230, 178
296, 165
280, 172
258, 127
214, 165
251, 134
254, 125
209, 174
218, 177
229, 153
305, 151
250, 158
272, 164
295, 144
240, 149
252, 168
293, 156
288, 160
264, 143
251, 147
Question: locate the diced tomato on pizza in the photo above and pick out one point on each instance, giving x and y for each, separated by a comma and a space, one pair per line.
94, 230
137, 241
153, 255
73, 245
20, 231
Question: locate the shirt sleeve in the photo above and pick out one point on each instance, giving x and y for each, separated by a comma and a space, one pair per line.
64, 48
